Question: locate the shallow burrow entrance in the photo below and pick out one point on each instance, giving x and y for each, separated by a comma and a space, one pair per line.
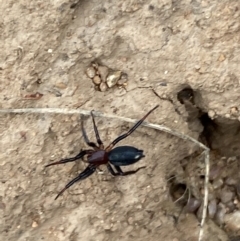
222, 136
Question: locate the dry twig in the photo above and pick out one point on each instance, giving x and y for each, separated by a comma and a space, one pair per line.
153, 126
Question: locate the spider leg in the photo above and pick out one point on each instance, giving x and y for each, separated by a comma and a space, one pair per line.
78, 156
85, 137
83, 175
130, 131
99, 141
120, 172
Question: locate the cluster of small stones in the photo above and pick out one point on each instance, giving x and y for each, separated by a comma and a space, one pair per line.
224, 194
105, 78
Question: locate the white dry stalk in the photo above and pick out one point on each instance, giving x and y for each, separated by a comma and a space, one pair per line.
153, 126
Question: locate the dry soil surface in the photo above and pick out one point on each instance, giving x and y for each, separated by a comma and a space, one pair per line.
164, 47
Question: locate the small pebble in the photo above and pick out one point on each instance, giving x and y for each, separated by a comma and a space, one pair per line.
211, 114
221, 211
199, 212
90, 72
130, 220
217, 183
96, 80
61, 85
231, 181
34, 224
123, 79
230, 206
103, 72
113, 78
235, 201
212, 208
234, 110
232, 221
215, 171
226, 196
192, 205
221, 58
103, 87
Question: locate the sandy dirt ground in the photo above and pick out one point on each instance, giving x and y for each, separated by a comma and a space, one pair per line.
164, 47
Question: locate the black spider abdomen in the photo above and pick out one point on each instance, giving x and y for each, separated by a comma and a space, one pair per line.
124, 155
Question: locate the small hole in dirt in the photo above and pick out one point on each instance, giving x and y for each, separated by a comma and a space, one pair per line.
219, 134
177, 190
151, 7
185, 94
202, 177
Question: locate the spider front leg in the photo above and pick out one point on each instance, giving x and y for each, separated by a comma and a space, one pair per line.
120, 172
131, 130
99, 141
78, 156
85, 137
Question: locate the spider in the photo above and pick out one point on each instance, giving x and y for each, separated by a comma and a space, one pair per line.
98, 155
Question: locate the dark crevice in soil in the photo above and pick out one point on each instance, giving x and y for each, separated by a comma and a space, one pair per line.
219, 134
222, 136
